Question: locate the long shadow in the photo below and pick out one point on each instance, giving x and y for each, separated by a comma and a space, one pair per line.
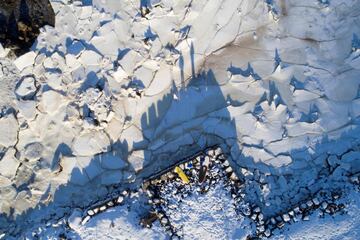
246, 73
196, 118
24, 12
179, 127
89, 180
199, 118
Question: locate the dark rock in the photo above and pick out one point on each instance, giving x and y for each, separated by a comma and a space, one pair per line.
148, 220
21, 20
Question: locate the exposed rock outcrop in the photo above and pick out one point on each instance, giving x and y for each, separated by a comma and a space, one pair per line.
21, 20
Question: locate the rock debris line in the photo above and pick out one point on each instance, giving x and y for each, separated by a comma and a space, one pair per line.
21, 20
162, 190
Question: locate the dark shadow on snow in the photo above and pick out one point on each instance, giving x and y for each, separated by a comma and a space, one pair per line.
187, 117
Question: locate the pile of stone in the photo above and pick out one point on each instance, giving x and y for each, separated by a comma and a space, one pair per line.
201, 173
324, 202
197, 174
102, 206
164, 189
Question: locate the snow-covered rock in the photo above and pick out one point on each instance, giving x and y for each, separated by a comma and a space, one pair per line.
91, 143
74, 219
9, 164
51, 100
26, 88
112, 177
25, 60
111, 160
8, 130
33, 151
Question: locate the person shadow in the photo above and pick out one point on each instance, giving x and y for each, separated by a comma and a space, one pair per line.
200, 114
195, 114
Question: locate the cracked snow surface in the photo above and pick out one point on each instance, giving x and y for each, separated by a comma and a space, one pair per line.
120, 90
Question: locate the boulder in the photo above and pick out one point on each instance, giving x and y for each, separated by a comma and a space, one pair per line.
26, 88
9, 164
8, 131
21, 20
74, 221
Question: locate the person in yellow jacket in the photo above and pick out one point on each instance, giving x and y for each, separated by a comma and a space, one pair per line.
182, 175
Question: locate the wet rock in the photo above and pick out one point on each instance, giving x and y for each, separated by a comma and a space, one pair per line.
246, 210
291, 213
228, 170
303, 206
21, 20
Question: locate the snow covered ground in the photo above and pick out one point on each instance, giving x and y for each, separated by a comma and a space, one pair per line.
203, 219
119, 90
335, 227
121, 223
208, 216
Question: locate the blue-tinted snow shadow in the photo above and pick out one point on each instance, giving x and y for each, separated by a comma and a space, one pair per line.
207, 125
83, 188
307, 173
